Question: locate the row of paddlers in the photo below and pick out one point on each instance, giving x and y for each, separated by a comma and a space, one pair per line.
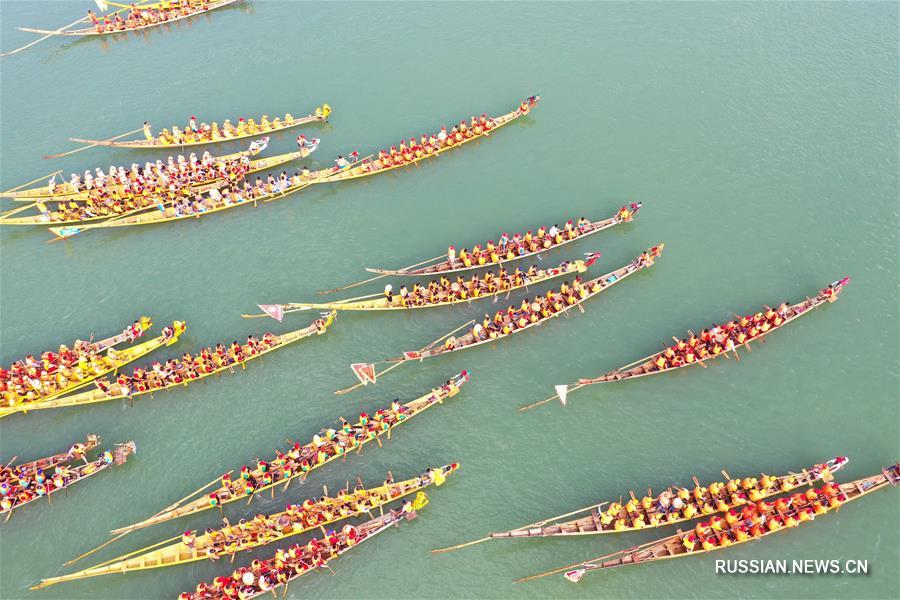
224, 184
725, 512
51, 381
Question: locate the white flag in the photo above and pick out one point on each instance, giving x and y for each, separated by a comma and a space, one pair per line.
575, 576
276, 311
103, 6
562, 391
259, 145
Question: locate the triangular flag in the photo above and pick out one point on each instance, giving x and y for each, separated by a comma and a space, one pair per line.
575, 576
412, 355
365, 372
276, 311
562, 391
103, 6
259, 145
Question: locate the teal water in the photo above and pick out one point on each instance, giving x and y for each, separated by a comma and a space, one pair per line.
762, 139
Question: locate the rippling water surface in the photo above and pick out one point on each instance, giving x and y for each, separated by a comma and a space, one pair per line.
762, 139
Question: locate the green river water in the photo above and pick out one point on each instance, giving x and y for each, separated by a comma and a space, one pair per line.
761, 137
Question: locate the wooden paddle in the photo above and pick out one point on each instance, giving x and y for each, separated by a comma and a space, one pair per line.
400, 362
358, 283
17, 188
300, 306
41, 39
48, 156
529, 526
584, 564
14, 211
61, 29
175, 504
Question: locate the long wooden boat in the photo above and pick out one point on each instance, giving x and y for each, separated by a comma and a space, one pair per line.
491, 285
136, 204
299, 461
514, 320
314, 513
130, 333
518, 247
63, 478
162, 141
356, 170
204, 7
215, 365
264, 577
711, 343
65, 191
114, 360
75, 451
674, 505
756, 522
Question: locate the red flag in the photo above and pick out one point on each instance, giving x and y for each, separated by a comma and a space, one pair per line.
365, 372
412, 355
276, 311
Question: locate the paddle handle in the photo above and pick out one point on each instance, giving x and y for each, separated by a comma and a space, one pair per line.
49, 156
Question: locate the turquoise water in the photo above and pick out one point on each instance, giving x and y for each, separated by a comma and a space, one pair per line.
762, 139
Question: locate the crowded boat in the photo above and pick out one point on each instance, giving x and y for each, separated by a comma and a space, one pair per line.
24, 484
310, 514
532, 311
262, 576
53, 372
247, 534
328, 444
444, 290
140, 16
673, 505
681, 504
137, 195
272, 187
176, 371
751, 521
531, 242
427, 145
720, 339
300, 459
158, 176
514, 247
196, 133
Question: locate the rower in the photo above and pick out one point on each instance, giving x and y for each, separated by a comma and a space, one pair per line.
389, 293
189, 538
341, 162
